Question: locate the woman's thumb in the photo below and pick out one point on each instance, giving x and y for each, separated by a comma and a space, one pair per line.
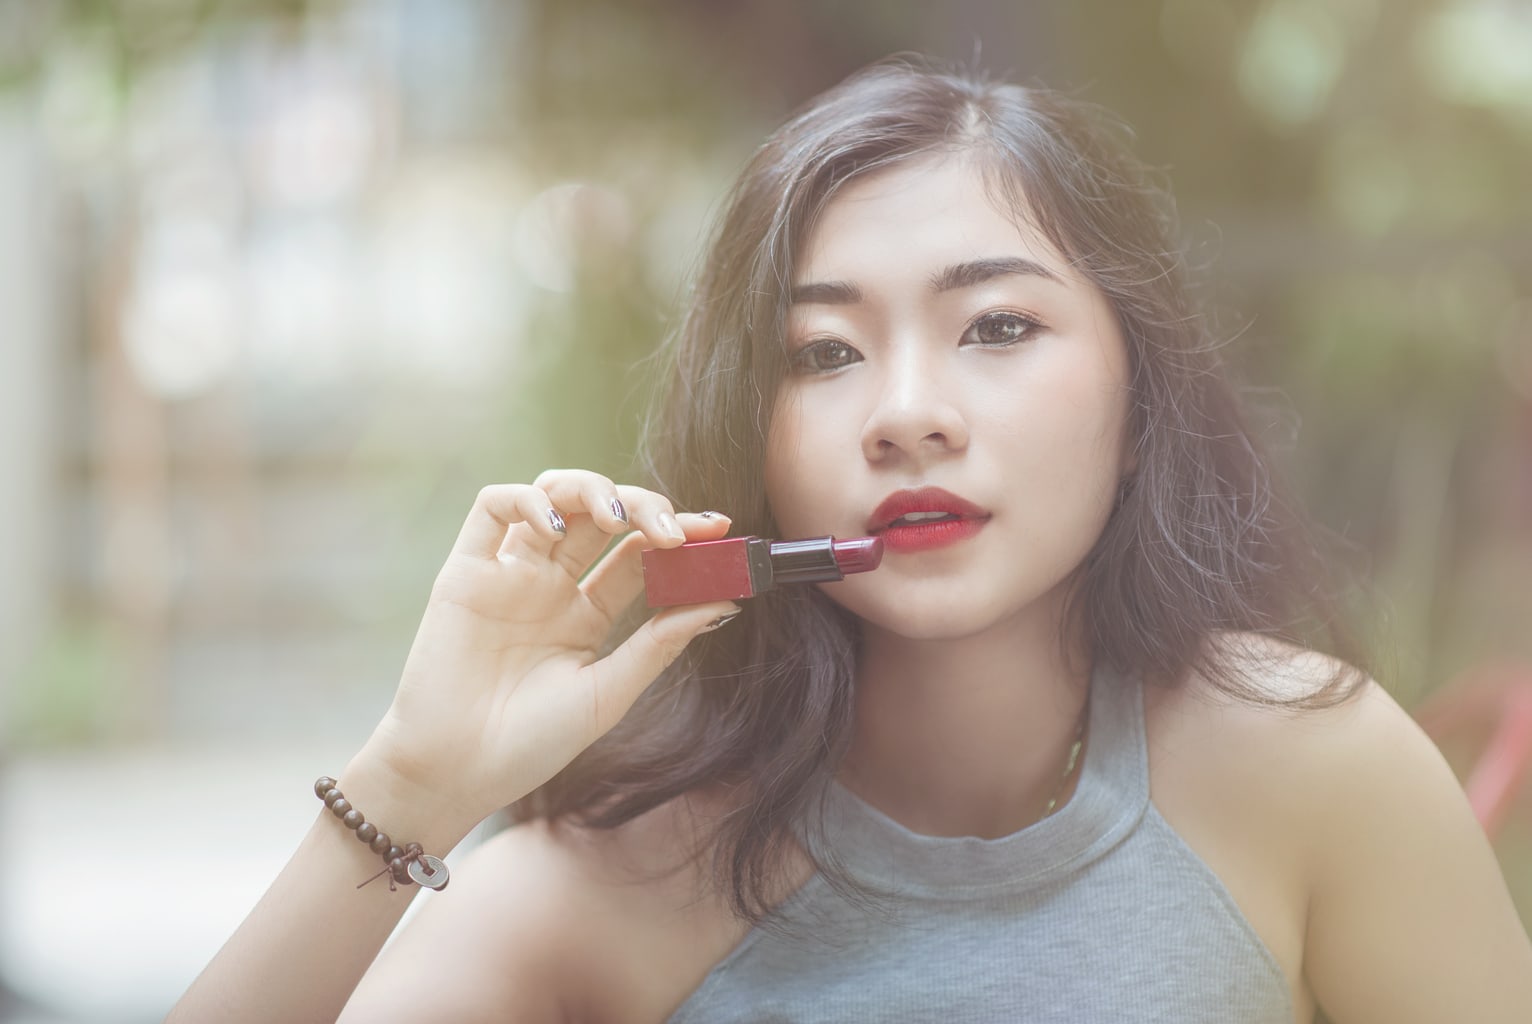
625, 673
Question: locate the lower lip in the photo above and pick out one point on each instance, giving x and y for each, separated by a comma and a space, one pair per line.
929, 536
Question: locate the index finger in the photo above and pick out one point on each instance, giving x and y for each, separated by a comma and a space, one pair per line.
500, 508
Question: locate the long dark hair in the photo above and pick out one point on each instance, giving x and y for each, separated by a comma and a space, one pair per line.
1200, 547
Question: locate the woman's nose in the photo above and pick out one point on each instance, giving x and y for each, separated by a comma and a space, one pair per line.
915, 413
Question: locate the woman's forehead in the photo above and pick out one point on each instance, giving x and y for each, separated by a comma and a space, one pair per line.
940, 207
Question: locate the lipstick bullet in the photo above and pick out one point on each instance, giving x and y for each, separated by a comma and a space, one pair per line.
739, 567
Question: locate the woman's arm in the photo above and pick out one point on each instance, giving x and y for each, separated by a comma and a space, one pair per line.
1410, 919
502, 688
304, 947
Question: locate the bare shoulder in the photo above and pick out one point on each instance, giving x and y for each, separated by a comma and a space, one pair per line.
552, 921
1349, 814
1238, 780
1286, 768
1201, 720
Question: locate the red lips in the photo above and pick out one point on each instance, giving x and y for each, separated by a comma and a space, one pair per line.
941, 518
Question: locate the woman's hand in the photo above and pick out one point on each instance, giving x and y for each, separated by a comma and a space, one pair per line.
503, 686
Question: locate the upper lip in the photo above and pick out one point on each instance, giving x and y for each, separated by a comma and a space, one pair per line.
921, 499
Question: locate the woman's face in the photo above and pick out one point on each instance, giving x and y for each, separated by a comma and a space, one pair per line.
954, 387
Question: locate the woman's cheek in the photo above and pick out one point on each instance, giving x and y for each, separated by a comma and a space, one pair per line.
797, 468
782, 470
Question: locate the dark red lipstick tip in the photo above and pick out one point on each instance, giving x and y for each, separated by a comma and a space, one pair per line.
858, 554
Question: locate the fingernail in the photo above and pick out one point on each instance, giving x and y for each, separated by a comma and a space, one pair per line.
557, 521
618, 510
722, 620
669, 526
710, 514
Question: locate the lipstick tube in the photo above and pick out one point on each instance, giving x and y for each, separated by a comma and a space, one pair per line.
739, 567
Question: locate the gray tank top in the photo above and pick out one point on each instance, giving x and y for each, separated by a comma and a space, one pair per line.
1100, 913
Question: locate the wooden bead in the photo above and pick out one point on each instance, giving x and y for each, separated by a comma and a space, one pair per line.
413, 850
323, 786
340, 807
400, 870
353, 819
366, 832
380, 843
331, 796
394, 853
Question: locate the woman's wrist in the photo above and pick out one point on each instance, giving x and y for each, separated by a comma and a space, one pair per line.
409, 811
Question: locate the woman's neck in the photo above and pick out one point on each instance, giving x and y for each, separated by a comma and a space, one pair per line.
967, 736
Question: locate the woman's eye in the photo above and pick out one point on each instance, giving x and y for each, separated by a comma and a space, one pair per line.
823, 356
1000, 329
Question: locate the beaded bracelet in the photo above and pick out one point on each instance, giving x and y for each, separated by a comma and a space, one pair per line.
404, 865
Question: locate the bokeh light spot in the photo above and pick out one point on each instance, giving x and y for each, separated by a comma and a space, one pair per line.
1291, 60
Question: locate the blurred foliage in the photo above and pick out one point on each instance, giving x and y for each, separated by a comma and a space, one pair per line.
84, 699
136, 33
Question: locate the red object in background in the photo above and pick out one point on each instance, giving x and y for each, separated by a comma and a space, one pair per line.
1497, 697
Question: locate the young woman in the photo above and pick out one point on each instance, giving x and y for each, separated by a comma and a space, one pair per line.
1066, 755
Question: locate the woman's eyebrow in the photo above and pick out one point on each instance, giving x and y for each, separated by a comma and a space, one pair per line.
972, 272
825, 293
959, 275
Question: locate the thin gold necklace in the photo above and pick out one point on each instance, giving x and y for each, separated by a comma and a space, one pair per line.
1073, 759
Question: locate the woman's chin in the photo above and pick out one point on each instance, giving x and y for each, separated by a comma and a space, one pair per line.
922, 611
936, 620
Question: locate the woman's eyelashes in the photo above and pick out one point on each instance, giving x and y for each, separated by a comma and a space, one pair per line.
1000, 328
824, 355
995, 329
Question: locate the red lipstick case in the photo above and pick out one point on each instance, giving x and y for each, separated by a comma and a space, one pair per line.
741, 567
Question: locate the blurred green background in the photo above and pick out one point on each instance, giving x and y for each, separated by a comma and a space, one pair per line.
282, 283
